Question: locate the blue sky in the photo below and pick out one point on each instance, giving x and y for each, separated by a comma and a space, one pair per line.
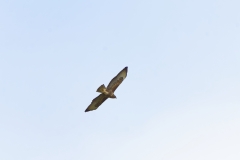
180, 100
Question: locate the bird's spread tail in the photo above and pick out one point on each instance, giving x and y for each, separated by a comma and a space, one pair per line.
101, 89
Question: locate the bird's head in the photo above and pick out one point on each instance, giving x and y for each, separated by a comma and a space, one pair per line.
113, 96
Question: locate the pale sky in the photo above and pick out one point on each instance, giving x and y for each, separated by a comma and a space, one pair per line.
180, 100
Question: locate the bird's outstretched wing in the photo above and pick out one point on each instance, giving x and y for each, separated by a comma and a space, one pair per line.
117, 80
96, 102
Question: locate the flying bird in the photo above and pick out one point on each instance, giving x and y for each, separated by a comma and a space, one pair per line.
109, 91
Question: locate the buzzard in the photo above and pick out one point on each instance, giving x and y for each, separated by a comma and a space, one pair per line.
109, 91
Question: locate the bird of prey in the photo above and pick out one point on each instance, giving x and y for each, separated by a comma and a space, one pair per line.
109, 91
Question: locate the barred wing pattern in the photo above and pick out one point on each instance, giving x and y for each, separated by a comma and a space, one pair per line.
96, 102
117, 80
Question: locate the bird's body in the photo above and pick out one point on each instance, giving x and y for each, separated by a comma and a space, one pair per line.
108, 92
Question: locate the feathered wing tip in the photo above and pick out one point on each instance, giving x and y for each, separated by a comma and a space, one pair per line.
126, 68
87, 110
